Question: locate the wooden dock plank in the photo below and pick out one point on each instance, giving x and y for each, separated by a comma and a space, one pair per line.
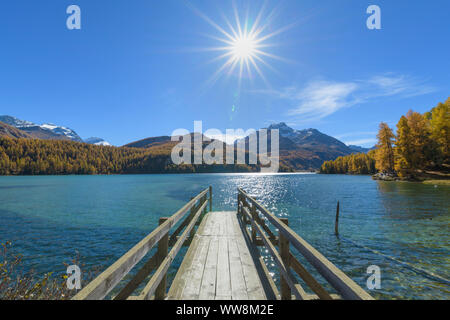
194, 275
238, 286
218, 264
191, 268
252, 281
208, 287
223, 288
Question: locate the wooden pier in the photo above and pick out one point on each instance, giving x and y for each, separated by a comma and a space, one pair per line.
223, 260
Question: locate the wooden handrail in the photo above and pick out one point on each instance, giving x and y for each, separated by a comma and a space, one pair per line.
284, 269
156, 279
101, 286
126, 291
345, 286
174, 235
309, 279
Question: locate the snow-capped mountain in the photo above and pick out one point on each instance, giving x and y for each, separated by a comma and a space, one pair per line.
69, 133
305, 149
284, 130
309, 137
42, 131
12, 121
97, 141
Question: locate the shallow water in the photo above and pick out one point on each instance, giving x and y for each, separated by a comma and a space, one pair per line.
51, 218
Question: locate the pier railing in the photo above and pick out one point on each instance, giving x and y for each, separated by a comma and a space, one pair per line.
156, 287
252, 213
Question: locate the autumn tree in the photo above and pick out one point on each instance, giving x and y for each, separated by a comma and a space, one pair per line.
414, 148
440, 128
422, 142
360, 163
384, 154
402, 149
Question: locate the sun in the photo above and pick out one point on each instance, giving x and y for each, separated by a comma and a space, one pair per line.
243, 48
244, 44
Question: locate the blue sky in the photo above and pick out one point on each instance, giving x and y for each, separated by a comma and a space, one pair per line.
142, 68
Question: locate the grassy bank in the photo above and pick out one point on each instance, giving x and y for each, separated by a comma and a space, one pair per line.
437, 182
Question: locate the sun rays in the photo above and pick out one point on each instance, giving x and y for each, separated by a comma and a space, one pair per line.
244, 44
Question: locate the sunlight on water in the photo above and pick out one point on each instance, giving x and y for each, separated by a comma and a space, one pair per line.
50, 218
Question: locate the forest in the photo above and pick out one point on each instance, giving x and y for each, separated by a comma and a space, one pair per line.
358, 163
60, 157
421, 143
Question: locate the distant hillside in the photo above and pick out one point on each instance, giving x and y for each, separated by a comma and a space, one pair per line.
299, 149
359, 149
11, 132
163, 146
149, 142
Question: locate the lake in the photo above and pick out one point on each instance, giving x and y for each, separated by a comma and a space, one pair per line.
50, 219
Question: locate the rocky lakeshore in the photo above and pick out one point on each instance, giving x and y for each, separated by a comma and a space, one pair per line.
385, 176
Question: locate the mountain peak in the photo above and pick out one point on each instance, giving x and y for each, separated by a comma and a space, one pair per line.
284, 129
281, 125
13, 121
97, 141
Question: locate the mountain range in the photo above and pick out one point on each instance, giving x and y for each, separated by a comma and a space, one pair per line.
46, 131
306, 149
299, 149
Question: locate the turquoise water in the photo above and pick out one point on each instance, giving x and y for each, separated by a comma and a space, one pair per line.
49, 219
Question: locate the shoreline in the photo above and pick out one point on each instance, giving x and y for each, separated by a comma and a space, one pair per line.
425, 177
162, 173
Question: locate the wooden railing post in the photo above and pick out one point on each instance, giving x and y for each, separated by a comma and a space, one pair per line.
210, 198
203, 201
239, 203
191, 216
283, 244
163, 250
336, 225
244, 216
254, 218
